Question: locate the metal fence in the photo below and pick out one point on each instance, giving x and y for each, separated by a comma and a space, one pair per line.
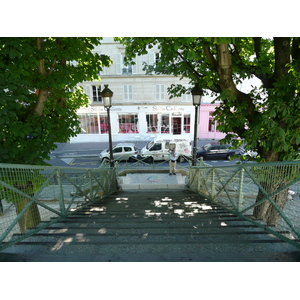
266, 194
33, 197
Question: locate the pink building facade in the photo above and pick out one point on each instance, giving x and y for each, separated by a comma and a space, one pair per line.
207, 127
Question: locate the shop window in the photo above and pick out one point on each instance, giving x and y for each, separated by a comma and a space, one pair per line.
165, 123
152, 123
89, 123
128, 123
103, 124
187, 124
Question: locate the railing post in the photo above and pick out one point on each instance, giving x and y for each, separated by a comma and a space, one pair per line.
213, 185
91, 185
241, 194
1, 208
198, 172
61, 193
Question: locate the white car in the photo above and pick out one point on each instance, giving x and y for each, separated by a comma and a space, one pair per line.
248, 153
122, 151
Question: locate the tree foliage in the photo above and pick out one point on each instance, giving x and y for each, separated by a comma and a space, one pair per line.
266, 118
39, 95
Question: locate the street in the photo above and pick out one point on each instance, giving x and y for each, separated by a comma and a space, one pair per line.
86, 155
94, 162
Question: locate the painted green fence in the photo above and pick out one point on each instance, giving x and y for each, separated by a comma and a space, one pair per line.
265, 194
33, 197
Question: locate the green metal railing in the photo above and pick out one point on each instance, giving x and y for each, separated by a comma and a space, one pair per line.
266, 194
33, 197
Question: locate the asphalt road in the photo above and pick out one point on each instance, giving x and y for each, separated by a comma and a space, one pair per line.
94, 162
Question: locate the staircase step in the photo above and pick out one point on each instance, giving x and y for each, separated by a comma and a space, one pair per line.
153, 224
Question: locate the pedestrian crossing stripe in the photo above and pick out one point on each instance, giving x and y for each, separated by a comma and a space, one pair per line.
91, 161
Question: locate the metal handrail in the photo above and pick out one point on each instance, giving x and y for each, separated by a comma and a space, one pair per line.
33, 197
267, 194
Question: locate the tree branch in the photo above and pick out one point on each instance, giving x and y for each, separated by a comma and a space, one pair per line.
210, 57
282, 56
257, 48
190, 66
296, 49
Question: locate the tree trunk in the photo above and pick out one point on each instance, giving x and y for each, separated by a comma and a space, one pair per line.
271, 181
31, 218
266, 211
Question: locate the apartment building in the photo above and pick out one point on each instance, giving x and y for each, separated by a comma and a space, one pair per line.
141, 107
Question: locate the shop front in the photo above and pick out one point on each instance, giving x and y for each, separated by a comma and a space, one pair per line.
134, 122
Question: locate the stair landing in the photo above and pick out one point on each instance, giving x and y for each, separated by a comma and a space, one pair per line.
148, 181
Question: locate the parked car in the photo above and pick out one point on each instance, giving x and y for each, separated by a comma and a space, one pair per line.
122, 151
158, 148
216, 151
249, 153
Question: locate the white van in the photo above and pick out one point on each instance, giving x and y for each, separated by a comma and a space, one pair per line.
158, 149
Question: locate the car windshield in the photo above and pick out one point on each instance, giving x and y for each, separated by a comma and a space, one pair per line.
149, 145
207, 146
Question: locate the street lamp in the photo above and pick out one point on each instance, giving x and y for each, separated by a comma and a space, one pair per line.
106, 95
197, 94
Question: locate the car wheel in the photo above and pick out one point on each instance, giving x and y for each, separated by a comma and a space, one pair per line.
181, 159
228, 157
131, 159
150, 160
105, 159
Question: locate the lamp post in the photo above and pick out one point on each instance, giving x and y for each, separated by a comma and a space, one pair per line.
197, 94
106, 95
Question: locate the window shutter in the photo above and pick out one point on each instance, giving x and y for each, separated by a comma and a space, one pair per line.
119, 63
134, 66
130, 92
127, 93
151, 58
162, 91
157, 89
88, 90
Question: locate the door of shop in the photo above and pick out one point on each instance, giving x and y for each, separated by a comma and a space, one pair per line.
176, 125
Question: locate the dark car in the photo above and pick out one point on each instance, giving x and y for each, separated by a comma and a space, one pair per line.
216, 151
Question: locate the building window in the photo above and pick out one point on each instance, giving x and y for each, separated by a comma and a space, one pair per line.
187, 97
160, 92
97, 93
187, 124
124, 69
127, 92
212, 124
128, 123
157, 57
165, 123
127, 69
152, 124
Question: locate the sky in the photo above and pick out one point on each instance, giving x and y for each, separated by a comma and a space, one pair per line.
157, 18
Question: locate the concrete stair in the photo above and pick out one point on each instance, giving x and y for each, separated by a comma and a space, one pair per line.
153, 225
